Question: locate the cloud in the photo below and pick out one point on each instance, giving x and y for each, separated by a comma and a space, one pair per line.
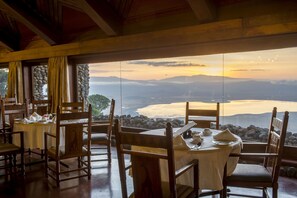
248, 70
109, 71
167, 63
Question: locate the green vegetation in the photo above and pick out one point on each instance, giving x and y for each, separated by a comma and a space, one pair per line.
3, 81
99, 103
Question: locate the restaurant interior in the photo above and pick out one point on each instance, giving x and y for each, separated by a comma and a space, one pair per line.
56, 142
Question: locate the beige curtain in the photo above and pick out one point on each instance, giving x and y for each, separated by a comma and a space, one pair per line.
58, 81
15, 81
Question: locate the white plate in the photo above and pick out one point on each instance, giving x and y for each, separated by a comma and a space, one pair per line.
222, 143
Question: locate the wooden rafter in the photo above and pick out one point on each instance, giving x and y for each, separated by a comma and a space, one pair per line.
103, 15
204, 10
8, 41
251, 33
34, 23
9, 35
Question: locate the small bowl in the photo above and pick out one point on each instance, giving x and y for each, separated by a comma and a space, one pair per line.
207, 132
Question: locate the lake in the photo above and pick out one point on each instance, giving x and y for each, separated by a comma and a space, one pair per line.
238, 112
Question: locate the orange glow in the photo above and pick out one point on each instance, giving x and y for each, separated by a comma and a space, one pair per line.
280, 64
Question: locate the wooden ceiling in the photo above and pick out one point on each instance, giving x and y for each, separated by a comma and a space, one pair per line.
59, 25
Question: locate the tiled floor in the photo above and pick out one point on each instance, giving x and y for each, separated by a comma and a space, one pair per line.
105, 182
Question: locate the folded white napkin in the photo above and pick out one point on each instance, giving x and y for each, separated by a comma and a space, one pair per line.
179, 143
35, 117
225, 135
27, 121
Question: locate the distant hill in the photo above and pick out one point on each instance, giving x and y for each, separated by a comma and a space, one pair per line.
259, 120
138, 93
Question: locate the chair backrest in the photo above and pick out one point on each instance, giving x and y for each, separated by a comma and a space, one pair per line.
42, 106
73, 125
203, 117
97, 125
71, 107
13, 111
145, 165
10, 101
276, 140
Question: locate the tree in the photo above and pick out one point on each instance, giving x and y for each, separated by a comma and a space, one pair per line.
99, 103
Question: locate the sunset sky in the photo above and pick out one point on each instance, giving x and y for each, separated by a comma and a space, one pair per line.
279, 64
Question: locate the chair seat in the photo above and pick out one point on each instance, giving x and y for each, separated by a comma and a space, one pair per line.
250, 172
8, 148
96, 137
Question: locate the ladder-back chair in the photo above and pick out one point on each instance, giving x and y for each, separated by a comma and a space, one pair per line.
42, 106
101, 136
71, 107
73, 126
145, 165
204, 118
264, 175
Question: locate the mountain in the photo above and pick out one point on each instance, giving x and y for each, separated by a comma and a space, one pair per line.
140, 93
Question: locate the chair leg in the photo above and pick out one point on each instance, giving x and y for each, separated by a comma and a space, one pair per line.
109, 153
46, 163
79, 162
89, 166
274, 192
223, 192
22, 164
5, 168
14, 164
58, 173
10, 166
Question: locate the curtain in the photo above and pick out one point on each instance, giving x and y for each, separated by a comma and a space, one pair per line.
58, 81
15, 81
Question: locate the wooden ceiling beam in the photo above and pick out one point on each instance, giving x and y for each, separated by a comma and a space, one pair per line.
204, 10
103, 15
192, 38
34, 23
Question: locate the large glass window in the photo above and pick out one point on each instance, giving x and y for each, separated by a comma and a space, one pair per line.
248, 85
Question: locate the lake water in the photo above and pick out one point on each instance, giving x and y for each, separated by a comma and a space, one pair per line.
238, 112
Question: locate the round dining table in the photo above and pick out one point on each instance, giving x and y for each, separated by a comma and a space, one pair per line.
34, 133
212, 158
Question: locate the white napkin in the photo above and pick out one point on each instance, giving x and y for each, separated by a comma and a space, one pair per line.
225, 135
179, 143
35, 117
27, 121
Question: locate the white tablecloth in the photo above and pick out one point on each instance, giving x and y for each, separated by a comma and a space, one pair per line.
212, 159
34, 134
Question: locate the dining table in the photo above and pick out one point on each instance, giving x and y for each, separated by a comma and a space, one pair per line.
34, 133
212, 156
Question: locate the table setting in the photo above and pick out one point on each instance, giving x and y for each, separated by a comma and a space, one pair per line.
36, 118
211, 147
34, 128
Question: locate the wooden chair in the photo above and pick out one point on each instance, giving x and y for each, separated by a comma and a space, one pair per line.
145, 165
264, 175
71, 107
42, 106
101, 135
10, 112
9, 153
10, 101
73, 125
203, 118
